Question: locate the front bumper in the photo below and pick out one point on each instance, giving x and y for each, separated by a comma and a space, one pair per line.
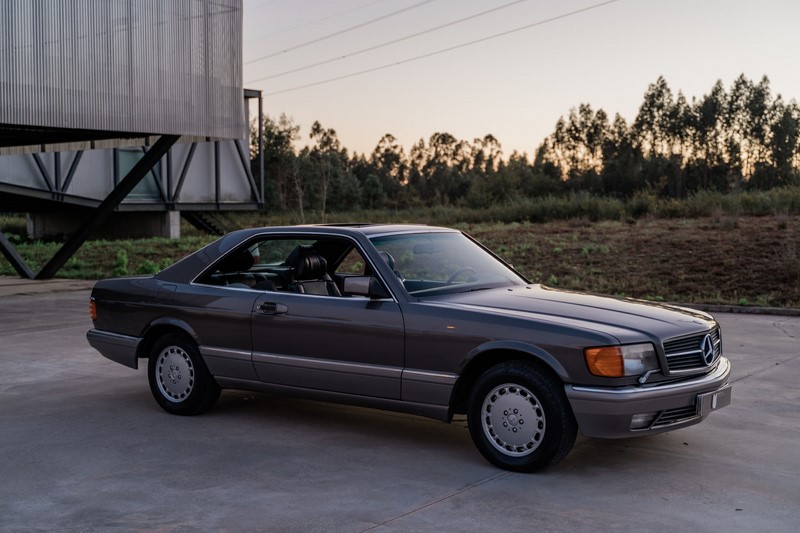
122, 349
609, 412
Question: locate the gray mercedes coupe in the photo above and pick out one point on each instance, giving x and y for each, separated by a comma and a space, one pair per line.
417, 319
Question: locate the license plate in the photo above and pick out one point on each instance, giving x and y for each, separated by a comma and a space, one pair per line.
711, 401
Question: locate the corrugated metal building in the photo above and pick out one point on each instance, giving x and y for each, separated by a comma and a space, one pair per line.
83, 70
121, 105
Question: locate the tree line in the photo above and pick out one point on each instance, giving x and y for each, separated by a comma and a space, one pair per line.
739, 139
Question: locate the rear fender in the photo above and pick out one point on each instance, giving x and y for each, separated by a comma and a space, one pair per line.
162, 326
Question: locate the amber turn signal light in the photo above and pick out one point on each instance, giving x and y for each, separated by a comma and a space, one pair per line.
606, 361
92, 310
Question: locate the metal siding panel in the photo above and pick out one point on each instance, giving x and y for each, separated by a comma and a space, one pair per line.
234, 186
122, 65
94, 176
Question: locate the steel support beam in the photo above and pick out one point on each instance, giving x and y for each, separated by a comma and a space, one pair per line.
261, 148
217, 176
107, 206
157, 178
187, 162
13, 257
72, 168
247, 172
43, 172
57, 171
169, 200
248, 95
115, 163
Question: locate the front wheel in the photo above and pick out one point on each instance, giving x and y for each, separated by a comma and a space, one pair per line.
519, 417
179, 379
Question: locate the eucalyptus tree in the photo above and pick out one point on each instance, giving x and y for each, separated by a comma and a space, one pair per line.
302, 168
680, 130
439, 169
536, 178
785, 144
328, 157
710, 158
736, 117
762, 115
390, 164
364, 173
485, 154
278, 137
653, 124
622, 161
489, 181
662, 133
576, 146
417, 180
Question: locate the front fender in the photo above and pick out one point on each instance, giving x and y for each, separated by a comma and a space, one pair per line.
516, 346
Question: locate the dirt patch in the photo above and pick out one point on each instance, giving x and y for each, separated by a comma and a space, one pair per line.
738, 260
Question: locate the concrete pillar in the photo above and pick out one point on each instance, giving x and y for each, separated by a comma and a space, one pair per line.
126, 225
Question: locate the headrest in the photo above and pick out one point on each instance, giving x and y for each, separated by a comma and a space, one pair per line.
307, 263
388, 258
238, 261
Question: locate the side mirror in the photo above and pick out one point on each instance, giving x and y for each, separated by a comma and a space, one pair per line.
364, 286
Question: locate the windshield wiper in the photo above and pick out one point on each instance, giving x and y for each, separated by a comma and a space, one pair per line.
476, 289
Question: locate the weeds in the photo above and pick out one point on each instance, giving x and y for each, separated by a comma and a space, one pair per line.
121, 265
709, 248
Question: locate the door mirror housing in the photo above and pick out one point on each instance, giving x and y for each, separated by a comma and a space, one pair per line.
368, 286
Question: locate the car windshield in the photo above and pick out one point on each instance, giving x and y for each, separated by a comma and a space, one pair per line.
443, 263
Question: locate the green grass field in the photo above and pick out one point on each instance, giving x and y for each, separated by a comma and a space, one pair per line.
718, 259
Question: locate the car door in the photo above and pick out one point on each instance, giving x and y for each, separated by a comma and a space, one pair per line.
220, 317
344, 344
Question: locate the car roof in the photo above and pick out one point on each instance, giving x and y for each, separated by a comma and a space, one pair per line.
352, 228
194, 263
371, 230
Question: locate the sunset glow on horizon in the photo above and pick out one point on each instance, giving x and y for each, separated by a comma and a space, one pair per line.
512, 83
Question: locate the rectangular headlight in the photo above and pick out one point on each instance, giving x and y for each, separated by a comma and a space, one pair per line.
620, 361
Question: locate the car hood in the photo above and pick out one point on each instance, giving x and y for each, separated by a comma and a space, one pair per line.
626, 319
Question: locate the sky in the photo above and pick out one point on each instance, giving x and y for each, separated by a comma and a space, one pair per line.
535, 60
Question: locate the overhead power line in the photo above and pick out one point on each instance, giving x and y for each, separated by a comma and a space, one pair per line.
387, 43
340, 32
449, 49
310, 22
256, 8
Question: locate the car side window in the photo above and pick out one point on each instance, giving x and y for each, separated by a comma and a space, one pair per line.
273, 252
233, 270
312, 265
352, 264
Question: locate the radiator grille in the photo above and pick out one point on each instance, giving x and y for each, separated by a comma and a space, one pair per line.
690, 353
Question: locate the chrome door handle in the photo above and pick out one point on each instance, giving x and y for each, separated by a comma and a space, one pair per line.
272, 308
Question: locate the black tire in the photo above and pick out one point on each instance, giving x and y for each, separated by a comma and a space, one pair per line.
178, 376
519, 417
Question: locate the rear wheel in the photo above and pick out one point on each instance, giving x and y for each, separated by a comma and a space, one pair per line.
179, 379
519, 417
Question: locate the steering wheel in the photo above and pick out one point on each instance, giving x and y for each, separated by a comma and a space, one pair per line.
460, 271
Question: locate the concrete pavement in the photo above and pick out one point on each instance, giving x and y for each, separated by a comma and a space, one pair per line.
84, 447
14, 286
